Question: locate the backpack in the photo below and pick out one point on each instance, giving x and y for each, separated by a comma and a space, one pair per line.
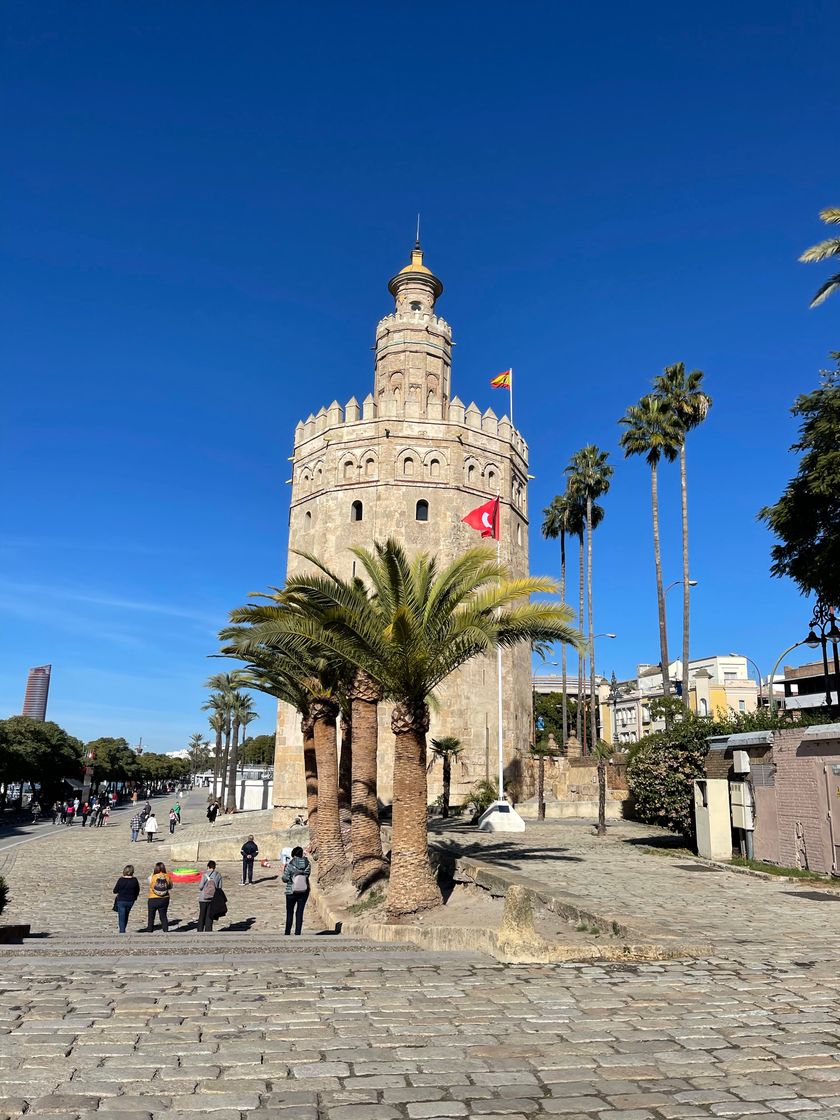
218, 904
160, 886
300, 883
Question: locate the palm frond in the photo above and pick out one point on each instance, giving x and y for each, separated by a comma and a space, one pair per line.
822, 251
831, 285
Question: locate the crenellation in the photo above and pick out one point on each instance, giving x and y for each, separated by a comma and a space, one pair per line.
489, 422
472, 416
369, 408
456, 411
335, 414
352, 412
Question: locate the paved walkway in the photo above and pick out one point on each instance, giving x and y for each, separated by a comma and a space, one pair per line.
321, 1028
683, 898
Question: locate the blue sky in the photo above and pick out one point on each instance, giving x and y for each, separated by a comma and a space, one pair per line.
203, 204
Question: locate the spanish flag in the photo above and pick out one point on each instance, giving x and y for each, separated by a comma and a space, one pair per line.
502, 380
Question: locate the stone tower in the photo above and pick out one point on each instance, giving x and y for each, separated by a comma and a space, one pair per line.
410, 461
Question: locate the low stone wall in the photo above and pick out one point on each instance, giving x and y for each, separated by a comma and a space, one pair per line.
227, 847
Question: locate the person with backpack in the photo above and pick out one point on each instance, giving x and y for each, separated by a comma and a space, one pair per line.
135, 827
126, 890
150, 827
173, 820
249, 851
210, 904
160, 886
296, 877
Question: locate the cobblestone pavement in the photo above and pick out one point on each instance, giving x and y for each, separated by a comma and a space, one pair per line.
681, 897
323, 1028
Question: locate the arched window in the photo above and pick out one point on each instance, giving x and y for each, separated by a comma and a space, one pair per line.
416, 305
519, 534
408, 466
370, 467
421, 510
434, 468
307, 520
348, 470
704, 706
491, 479
471, 474
356, 511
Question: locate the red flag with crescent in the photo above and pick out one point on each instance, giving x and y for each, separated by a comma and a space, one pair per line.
485, 518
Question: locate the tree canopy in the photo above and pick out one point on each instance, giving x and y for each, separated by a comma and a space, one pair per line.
806, 518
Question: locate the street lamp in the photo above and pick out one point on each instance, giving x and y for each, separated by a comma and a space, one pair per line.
823, 629
758, 671
614, 696
772, 681
677, 582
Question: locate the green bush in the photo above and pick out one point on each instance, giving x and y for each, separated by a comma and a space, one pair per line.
482, 796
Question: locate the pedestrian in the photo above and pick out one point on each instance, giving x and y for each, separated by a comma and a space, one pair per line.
135, 825
211, 882
212, 811
160, 886
176, 809
105, 817
126, 891
249, 851
35, 808
150, 827
296, 877
85, 813
173, 820
76, 805
57, 811
71, 812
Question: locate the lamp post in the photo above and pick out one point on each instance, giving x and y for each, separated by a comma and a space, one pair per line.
758, 671
772, 690
823, 629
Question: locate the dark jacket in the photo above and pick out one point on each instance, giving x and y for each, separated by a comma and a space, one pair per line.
127, 889
250, 849
297, 865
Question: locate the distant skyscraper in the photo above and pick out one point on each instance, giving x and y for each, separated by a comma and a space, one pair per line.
37, 690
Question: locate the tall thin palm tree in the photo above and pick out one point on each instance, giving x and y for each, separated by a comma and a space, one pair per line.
556, 525
824, 251
589, 478
418, 624
246, 718
218, 721
651, 430
684, 395
241, 709
225, 685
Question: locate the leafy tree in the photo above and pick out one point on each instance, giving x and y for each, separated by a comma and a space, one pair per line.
32, 751
651, 430
806, 519
259, 750
824, 251
548, 707
447, 750
114, 761
689, 404
589, 478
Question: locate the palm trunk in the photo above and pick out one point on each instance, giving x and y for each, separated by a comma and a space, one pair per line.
581, 692
447, 782
345, 767
564, 680
230, 804
225, 756
216, 762
310, 766
369, 863
413, 886
602, 797
686, 588
541, 788
660, 593
332, 862
593, 731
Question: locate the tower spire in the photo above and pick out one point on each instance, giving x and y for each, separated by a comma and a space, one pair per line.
417, 239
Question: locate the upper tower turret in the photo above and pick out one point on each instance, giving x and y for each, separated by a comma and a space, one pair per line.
413, 346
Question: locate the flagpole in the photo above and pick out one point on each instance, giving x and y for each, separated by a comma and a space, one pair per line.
510, 390
499, 658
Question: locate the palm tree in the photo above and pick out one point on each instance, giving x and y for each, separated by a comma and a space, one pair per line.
446, 750
589, 478
823, 252
652, 431
556, 524
416, 626
218, 722
542, 751
369, 863
242, 711
603, 752
577, 528
225, 685
690, 406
